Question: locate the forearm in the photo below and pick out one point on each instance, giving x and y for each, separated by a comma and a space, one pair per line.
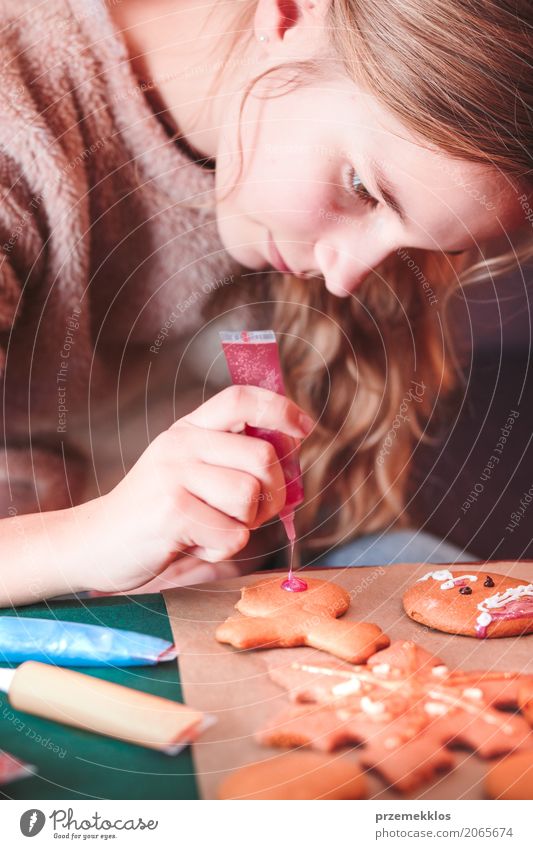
45, 554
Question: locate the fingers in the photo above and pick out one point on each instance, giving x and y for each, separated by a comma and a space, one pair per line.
248, 456
236, 406
235, 493
198, 525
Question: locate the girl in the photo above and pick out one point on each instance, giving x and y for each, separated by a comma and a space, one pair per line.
325, 166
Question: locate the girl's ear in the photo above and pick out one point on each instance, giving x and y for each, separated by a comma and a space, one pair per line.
291, 29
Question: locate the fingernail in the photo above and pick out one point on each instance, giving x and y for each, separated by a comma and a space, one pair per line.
306, 422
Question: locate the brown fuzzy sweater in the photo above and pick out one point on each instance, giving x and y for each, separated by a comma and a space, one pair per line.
103, 259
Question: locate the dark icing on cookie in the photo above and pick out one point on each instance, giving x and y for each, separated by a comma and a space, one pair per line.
465, 590
488, 582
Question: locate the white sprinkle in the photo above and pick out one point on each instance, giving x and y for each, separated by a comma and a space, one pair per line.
381, 668
435, 708
473, 693
370, 707
347, 687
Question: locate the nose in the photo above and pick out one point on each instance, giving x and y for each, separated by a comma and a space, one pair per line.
345, 267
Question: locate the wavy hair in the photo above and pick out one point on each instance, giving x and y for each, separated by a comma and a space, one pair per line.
458, 73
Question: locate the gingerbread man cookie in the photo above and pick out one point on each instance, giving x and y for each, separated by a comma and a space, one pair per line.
404, 706
475, 604
275, 618
296, 775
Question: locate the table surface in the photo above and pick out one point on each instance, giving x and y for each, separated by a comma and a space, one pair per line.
74, 764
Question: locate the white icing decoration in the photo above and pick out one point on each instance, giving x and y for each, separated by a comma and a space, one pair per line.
347, 687
381, 668
449, 585
473, 693
442, 575
446, 576
500, 600
368, 706
484, 619
440, 671
435, 708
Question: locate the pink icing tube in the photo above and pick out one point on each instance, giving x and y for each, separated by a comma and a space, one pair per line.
253, 360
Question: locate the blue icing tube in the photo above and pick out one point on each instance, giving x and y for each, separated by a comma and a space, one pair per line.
76, 644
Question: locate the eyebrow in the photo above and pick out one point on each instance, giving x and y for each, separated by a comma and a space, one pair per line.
387, 191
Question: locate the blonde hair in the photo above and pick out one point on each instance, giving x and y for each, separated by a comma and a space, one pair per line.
458, 74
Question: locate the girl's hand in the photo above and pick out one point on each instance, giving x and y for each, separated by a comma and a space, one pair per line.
199, 488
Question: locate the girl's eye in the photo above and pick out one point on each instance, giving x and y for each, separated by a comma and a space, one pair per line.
356, 187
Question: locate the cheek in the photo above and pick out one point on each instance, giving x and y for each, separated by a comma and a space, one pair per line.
291, 189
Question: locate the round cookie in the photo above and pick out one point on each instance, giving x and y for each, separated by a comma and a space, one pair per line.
296, 775
512, 777
473, 603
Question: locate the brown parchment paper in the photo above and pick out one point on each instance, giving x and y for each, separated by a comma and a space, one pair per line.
234, 686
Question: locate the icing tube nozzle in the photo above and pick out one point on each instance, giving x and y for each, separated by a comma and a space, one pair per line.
101, 707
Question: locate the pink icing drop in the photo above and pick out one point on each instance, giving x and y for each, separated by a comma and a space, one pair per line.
519, 609
293, 584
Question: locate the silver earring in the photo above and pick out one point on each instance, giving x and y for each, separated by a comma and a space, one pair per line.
263, 38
